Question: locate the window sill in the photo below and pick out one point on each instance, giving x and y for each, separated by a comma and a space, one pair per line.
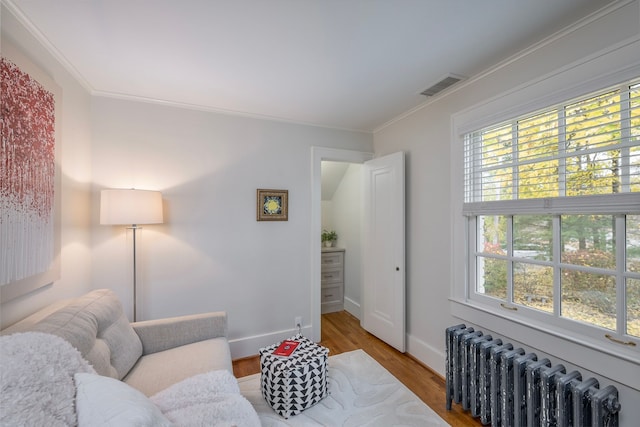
573, 350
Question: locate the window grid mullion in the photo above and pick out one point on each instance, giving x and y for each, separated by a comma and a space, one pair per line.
625, 138
555, 256
471, 236
516, 161
510, 261
621, 266
562, 161
476, 153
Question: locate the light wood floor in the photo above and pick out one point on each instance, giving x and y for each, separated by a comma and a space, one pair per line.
341, 332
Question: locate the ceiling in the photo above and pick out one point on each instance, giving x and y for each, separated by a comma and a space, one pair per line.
349, 64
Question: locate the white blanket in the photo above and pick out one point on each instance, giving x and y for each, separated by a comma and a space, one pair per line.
36, 380
211, 399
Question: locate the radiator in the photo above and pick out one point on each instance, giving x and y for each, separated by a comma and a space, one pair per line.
509, 387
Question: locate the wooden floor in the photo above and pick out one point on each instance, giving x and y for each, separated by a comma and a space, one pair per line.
341, 332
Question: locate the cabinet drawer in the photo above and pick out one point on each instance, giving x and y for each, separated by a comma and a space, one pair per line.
332, 276
331, 294
332, 259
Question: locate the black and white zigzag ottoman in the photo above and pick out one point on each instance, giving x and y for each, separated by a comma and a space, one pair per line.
291, 384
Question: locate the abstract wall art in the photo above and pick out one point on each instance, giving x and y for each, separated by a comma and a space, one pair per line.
29, 183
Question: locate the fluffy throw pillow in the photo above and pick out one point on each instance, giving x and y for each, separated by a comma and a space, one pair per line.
211, 399
36, 379
104, 401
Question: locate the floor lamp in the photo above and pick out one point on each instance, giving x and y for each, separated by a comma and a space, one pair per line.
131, 207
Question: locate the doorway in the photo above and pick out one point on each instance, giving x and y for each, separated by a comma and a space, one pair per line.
342, 188
318, 155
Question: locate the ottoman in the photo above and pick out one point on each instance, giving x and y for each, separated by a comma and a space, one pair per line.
291, 384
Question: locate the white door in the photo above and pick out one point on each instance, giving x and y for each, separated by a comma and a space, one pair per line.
383, 293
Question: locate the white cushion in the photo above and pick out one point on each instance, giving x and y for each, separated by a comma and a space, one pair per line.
157, 371
95, 325
104, 401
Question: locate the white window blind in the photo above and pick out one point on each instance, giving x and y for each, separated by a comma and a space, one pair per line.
573, 156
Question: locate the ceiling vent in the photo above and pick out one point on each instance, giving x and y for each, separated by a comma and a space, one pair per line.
448, 80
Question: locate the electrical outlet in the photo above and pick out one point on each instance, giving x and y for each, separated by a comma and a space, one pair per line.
298, 322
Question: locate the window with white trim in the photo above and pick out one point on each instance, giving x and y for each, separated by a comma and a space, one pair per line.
552, 204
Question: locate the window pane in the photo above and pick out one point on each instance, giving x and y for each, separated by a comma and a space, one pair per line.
496, 153
633, 243
588, 240
594, 173
497, 184
497, 146
492, 273
536, 180
492, 277
633, 307
593, 123
589, 298
492, 234
538, 137
532, 237
538, 141
533, 286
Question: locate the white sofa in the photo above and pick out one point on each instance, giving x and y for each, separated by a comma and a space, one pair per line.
149, 356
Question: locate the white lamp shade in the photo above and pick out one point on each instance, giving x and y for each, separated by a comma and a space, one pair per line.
130, 207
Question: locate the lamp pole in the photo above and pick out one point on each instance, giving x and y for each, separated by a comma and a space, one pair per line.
134, 227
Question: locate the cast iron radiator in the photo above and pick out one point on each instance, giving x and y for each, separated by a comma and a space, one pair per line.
505, 386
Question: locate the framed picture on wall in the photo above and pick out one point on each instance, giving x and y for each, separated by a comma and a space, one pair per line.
272, 205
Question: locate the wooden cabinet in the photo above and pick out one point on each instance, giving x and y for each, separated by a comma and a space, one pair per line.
332, 280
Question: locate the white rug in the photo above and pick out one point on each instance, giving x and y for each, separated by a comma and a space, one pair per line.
361, 393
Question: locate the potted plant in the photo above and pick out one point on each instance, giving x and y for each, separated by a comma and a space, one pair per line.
329, 238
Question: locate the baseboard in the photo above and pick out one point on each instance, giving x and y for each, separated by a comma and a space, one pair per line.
428, 355
352, 307
249, 346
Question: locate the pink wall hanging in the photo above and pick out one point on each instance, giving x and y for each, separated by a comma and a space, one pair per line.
29, 183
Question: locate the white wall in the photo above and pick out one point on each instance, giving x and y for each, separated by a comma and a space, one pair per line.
74, 159
326, 220
211, 254
434, 271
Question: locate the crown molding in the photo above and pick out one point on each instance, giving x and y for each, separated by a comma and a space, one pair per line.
46, 43
210, 109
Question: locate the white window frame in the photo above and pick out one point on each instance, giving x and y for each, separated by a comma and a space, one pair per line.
561, 341
617, 205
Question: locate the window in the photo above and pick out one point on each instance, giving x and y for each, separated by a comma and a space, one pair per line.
552, 202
